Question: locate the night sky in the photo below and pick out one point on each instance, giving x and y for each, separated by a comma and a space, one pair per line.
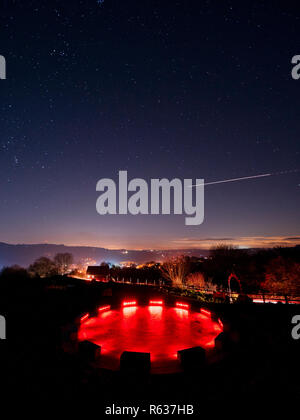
188, 89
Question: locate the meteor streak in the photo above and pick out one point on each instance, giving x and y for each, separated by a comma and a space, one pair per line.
223, 181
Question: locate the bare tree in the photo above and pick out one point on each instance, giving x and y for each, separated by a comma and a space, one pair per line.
282, 277
63, 262
176, 270
43, 267
196, 279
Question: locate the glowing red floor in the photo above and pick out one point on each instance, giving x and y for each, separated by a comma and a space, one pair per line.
160, 330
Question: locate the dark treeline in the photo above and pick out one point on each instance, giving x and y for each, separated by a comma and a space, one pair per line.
273, 270
254, 268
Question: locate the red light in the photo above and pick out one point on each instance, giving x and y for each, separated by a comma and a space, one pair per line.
148, 329
220, 323
182, 305
84, 317
129, 303
104, 308
156, 302
205, 312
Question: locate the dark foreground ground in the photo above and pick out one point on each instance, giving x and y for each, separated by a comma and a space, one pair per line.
261, 366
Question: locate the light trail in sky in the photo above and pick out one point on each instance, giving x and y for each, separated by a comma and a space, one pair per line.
243, 178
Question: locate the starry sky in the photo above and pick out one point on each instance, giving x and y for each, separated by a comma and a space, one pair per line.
188, 89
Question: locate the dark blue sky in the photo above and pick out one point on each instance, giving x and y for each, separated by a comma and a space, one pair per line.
197, 89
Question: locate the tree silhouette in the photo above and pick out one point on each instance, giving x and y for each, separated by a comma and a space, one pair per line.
43, 267
63, 262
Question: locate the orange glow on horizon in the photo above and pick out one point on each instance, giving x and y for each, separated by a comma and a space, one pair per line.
172, 244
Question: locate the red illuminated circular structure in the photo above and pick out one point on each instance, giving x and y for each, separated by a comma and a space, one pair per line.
156, 329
